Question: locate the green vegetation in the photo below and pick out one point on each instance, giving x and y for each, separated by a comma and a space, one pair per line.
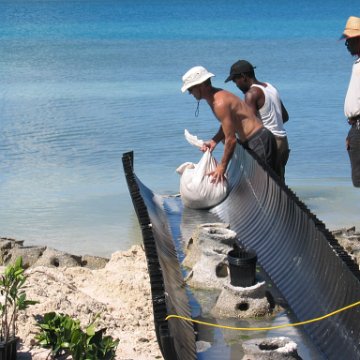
13, 298
64, 336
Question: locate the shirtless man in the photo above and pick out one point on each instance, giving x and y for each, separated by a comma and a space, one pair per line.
236, 118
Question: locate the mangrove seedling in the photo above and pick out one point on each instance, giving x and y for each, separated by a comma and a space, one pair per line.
64, 336
13, 298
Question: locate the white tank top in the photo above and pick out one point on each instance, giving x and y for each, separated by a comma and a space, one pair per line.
352, 100
270, 113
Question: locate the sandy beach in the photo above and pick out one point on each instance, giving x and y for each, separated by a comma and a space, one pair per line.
119, 292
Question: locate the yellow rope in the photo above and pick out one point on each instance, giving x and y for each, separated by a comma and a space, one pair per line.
264, 328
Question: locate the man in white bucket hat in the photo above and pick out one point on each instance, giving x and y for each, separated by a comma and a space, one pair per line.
351, 35
236, 118
195, 76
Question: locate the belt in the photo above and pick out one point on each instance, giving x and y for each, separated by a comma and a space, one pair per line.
252, 136
354, 119
280, 137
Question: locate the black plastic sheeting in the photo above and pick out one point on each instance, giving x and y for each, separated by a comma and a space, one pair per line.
303, 259
176, 341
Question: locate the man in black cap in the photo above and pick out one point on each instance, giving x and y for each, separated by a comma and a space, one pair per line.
265, 101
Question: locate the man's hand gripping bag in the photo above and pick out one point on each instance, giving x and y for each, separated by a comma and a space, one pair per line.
196, 189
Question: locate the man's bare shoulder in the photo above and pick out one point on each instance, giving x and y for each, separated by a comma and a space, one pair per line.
255, 92
225, 102
220, 97
226, 97
223, 92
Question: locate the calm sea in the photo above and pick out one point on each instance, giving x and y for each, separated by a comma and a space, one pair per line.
82, 82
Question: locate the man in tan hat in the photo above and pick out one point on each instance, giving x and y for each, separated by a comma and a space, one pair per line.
236, 118
352, 100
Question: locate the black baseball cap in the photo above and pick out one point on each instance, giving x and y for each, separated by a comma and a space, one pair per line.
240, 67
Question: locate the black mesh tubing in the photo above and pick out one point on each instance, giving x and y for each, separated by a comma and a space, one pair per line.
306, 263
166, 280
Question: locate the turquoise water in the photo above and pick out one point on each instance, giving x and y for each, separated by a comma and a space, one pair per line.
82, 82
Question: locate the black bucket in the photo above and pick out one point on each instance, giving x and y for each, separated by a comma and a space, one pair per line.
242, 265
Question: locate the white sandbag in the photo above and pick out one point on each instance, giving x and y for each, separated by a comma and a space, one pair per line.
196, 189
193, 140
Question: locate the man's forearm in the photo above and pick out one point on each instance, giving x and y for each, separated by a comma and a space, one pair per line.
228, 151
219, 136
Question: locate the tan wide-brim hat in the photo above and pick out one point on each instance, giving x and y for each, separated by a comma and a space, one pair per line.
352, 28
195, 76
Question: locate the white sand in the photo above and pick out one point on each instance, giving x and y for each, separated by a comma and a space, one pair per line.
120, 292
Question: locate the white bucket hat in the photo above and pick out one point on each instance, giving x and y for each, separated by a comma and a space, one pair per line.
195, 76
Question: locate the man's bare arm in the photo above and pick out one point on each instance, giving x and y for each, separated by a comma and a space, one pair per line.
285, 115
252, 98
223, 113
211, 144
219, 136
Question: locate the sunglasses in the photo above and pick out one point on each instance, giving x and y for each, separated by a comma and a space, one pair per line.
348, 41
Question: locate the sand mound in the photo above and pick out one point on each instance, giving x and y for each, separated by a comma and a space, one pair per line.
119, 292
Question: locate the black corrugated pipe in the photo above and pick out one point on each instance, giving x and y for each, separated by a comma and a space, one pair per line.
181, 346
305, 262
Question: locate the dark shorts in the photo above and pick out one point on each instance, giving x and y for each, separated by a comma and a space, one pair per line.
263, 145
283, 152
354, 154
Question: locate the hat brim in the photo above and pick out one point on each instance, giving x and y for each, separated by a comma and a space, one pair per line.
229, 78
350, 34
196, 82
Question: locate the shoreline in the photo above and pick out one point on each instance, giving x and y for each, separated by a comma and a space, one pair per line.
119, 291
117, 288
